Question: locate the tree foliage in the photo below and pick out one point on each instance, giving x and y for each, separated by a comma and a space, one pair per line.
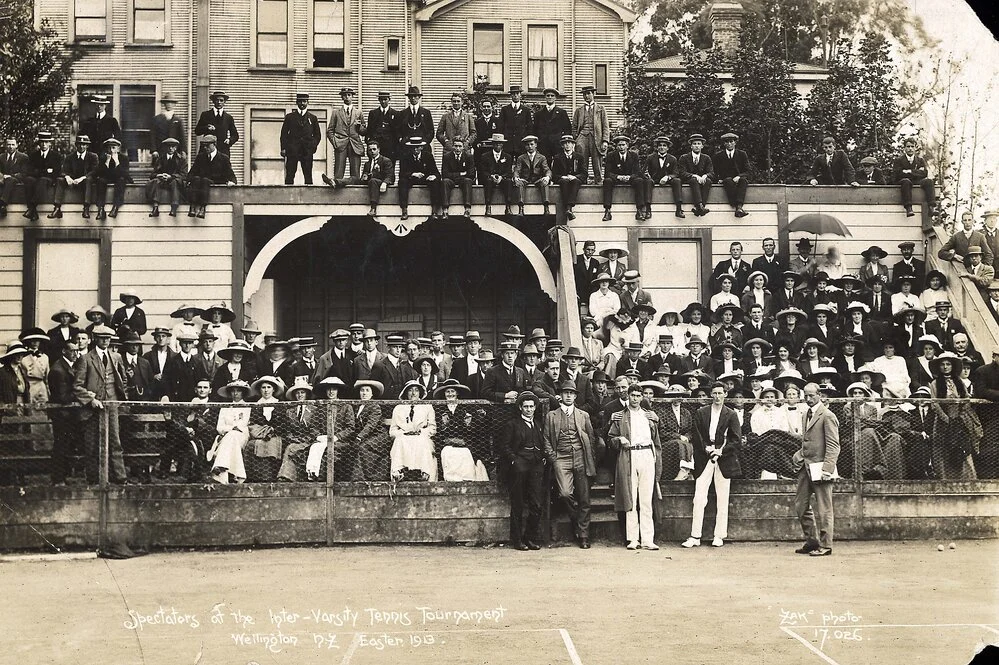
35, 72
808, 31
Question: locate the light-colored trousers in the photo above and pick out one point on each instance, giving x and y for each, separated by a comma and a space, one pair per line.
638, 523
711, 473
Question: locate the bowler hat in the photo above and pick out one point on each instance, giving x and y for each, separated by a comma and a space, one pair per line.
414, 91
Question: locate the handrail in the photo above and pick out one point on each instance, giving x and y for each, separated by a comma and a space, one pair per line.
568, 311
965, 298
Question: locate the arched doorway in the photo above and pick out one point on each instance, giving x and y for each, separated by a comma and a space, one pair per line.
451, 276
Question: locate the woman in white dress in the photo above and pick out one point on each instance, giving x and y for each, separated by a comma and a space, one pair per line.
412, 430
935, 291
618, 333
233, 430
604, 302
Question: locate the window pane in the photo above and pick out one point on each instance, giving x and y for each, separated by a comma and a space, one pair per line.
392, 59
272, 16
542, 41
328, 42
272, 49
334, 59
600, 79
91, 8
488, 43
91, 28
86, 109
138, 106
150, 4
150, 25
328, 16
266, 166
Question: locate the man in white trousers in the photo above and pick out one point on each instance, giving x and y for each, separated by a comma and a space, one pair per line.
717, 435
635, 435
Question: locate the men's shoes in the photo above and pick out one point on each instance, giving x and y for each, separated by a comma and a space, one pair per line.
520, 210
405, 214
822, 551
329, 181
651, 547
548, 210
102, 214
632, 545
807, 548
531, 545
507, 211
717, 542
56, 213
607, 215
155, 212
520, 546
201, 212
489, 210
679, 212
739, 212
691, 542
86, 212
191, 212
372, 211
640, 214
114, 212
569, 214
32, 214
468, 212
909, 212
584, 543
704, 211
173, 211
3, 210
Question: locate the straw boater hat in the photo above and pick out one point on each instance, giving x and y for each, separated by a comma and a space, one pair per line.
237, 346
226, 390
228, 316
330, 383
410, 384
376, 386
272, 380
73, 318
450, 383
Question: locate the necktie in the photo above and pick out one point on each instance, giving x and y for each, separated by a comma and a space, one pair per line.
107, 360
808, 417
301, 414
877, 303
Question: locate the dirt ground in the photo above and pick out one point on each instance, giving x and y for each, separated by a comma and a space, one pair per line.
871, 602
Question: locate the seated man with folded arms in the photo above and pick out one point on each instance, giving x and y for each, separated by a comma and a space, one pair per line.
532, 169
458, 170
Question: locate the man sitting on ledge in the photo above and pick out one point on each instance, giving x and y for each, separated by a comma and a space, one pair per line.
210, 168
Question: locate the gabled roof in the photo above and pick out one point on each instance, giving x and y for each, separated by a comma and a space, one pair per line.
435, 8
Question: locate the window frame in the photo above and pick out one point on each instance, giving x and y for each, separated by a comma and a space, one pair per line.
29, 268
397, 68
606, 90
248, 113
506, 52
311, 38
526, 59
108, 15
254, 36
115, 110
167, 31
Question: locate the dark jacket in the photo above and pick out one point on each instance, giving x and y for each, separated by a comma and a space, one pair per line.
516, 124
113, 172
704, 166
300, 135
490, 165
101, 130
549, 126
209, 123
876, 177
174, 166
727, 433
392, 377
381, 127
61, 382
48, 167
518, 442
409, 164
139, 383
901, 163
76, 167
729, 168
840, 172
572, 165
484, 129
136, 323
381, 169
180, 378
14, 166
419, 124
657, 169
167, 128
218, 169
152, 356
454, 166
615, 164
498, 382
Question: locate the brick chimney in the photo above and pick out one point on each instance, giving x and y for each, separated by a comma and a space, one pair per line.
726, 25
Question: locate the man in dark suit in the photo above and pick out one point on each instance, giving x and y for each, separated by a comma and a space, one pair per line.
832, 167
632, 360
98, 378
112, 171
414, 120
587, 268
586, 398
337, 361
732, 168
418, 167
381, 127
505, 381
909, 169
300, 137
878, 300
697, 171
158, 357
991, 233
477, 379
572, 448
569, 173
365, 361
44, 166
65, 422
661, 168
734, 266
208, 360
869, 173
717, 435
210, 167
664, 359
13, 168
532, 169
820, 447
909, 266
77, 173
496, 170
516, 121
167, 125
551, 123
944, 326
102, 126
181, 372
486, 125
770, 265
458, 170
218, 123
378, 173
623, 167
137, 372
521, 444
391, 371
169, 174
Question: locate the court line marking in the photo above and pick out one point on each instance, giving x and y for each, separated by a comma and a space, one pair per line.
570, 647
986, 627
811, 647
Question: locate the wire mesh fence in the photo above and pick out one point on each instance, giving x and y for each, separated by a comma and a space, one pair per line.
429, 441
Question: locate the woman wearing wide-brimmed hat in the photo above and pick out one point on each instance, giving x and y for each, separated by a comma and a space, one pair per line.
935, 290
426, 373
618, 333
219, 317
63, 333
13, 386
604, 301
129, 314
233, 427
413, 427
758, 293
726, 294
266, 421
874, 255
957, 431
98, 316
694, 325
457, 425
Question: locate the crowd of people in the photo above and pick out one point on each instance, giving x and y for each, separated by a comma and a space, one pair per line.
510, 147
